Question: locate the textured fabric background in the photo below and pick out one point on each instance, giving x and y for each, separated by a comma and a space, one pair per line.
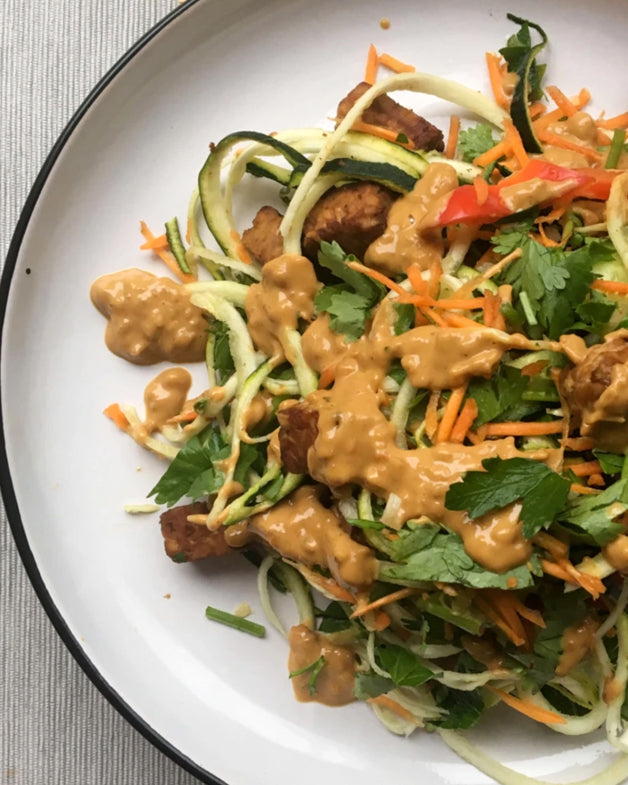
55, 727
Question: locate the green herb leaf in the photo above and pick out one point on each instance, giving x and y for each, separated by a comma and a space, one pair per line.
334, 618
370, 685
497, 395
463, 708
542, 491
366, 524
223, 361
610, 463
348, 309
405, 317
334, 259
314, 670
596, 515
404, 668
474, 141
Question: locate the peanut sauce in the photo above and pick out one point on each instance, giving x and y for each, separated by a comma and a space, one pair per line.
616, 553
577, 642
334, 683
403, 243
165, 396
284, 295
578, 129
321, 345
302, 529
150, 319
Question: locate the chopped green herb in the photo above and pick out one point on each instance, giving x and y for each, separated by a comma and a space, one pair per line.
314, 669
238, 623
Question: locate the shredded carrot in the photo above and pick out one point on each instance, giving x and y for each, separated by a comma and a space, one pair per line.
330, 585
481, 189
436, 270
585, 469
477, 436
502, 601
416, 278
528, 708
589, 583
388, 703
612, 287
395, 596
523, 428
464, 422
578, 443
420, 319
495, 75
602, 138
431, 415
435, 317
546, 241
557, 548
114, 412
399, 67
466, 304
619, 121
382, 621
497, 619
160, 243
559, 141
491, 308
377, 276
184, 417
501, 148
243, 254
537, 109
534, 369
582, 489
579, 102
382, 133
472, 284
452, 137
561, 100
515, 142
370, 73
166, 256
534, 617
327, 377
450, 415
457, 320
556, 571
596, 479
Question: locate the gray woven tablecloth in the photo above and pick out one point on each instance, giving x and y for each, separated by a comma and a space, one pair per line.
55, 727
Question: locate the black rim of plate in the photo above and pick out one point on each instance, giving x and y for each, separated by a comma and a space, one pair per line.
6, 485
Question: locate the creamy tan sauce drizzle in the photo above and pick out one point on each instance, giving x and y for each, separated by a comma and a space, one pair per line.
574, 347
284, 295
483, 650
150, 319
578, 129
577, 642
322, 347
165, 396
522, 196
616, 553
356, 442
334, 684
607, 420
302, 529
403, 243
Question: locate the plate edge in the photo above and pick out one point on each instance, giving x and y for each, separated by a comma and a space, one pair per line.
6, 485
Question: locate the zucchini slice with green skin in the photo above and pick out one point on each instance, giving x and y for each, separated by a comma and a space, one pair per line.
218, 218
175, 241
384, 174
519, 107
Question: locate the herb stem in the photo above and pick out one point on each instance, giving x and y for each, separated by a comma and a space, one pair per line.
244, 625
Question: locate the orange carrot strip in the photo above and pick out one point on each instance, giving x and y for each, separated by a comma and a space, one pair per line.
533, 369
435, 317
166, 256
561, 100
399, 67
502, 601
491, 308
493, 63
457, 320
523, 428
370, 73
477, 436
501, 148
431, 415
377, 276
481, 189
589, 583
464, 422
530, 710
556, 571
156, 243
492, 614
557, 548
450, 414
416, 279
612, 287
114, 412
382, 133
528, 613
582, 489
452, 137
515, 142
537, 109
394, 596
585, 469
619, 121
327, 377
559, 141
602, 138
436, 270
243, 254
382, 621
596, 479
184, 417
546, 241
388, 703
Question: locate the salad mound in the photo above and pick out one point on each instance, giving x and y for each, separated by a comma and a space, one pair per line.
416, 412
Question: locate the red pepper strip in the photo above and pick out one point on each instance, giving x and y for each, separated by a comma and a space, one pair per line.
599, 186
462, 204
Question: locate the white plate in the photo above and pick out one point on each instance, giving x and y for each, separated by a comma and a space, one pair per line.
216, 700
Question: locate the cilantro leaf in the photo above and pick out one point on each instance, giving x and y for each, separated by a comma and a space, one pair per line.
405, 317
474, 141
495, 396
370, 685
596, 515
446, 560
194, 471
463, 708
223, 361
333, 618
404, 668
334, 259
542, 491
348, 310
610, 463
